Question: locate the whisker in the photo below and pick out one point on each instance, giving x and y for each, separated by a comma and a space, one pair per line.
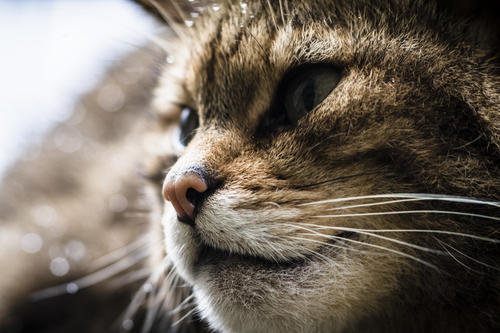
156, 301
314, 232
373, 204
150, 313
413, 212
325, 259
187, 315
145, 49
147, 287
451, 233
137, 301
397, 241
115, 255
176, 27
466, 256
276, 255
185, 304
326, 182
456, 259
469, 143
438, 197
136, 215
153, 306
92, 278
129, 278
371, 245
165, 317
160, 42
179, 10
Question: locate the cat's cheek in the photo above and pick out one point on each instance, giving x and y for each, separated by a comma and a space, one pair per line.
180, 243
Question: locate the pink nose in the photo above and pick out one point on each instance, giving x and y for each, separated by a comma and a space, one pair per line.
176, 190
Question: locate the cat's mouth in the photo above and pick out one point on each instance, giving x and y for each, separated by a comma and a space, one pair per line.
210, 256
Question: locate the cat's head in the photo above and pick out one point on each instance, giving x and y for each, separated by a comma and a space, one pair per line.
331, 161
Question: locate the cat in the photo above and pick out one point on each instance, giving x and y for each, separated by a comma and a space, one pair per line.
312, 166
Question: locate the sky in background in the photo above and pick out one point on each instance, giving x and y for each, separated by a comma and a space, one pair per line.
52, 51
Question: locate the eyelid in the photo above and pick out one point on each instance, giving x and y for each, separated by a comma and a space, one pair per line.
173, 111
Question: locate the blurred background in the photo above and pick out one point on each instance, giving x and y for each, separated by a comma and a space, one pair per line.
52, 51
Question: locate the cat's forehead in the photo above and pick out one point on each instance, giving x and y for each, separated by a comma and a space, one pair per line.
239, 59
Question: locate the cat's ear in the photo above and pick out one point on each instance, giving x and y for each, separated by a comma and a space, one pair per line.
158, 8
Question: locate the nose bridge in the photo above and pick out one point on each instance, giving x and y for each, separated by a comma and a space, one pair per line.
211, 150
197, 173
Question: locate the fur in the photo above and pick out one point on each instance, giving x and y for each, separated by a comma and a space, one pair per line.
376, 212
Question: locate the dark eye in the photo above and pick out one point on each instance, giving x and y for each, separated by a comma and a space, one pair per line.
309, 88
188, 125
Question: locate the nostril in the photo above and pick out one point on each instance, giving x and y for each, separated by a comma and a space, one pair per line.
185, 192
193, 196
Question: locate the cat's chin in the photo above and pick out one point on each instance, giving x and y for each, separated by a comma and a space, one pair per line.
246, 293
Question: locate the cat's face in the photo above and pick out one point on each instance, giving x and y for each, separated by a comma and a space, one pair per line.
319, 129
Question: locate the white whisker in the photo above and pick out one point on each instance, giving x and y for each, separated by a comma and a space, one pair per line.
187, 315
185, 304
438, 197
275, 254
324, 258
157, 300
129, 278
412, 212
148, 287
330, 261
451, 233
176, 27
466, 256
179, 10
374, 204
93, 278
370, 245
456, 259
397, 241
136, 215
151, 310
115, 255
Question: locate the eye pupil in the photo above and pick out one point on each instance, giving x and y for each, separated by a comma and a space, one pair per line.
188, 125
307, 89
308, 95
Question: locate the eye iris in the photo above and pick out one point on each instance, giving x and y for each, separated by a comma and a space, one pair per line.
308, 95
188, 125
308, 89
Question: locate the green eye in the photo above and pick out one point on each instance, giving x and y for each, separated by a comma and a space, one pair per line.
308, 89
188, 125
